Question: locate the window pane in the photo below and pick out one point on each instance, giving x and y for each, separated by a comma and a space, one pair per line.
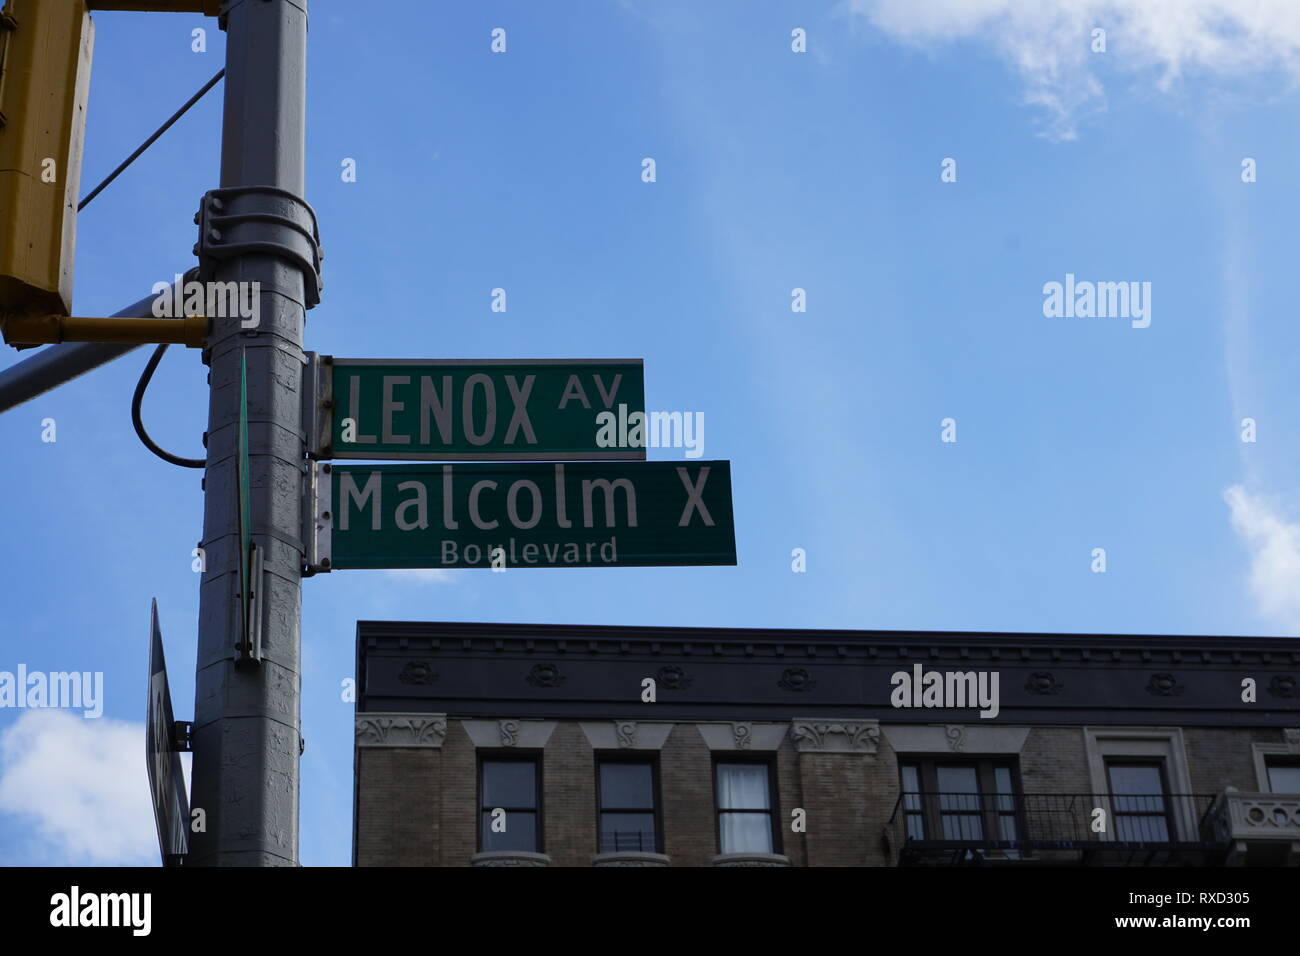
959, 789
1125, 804
1142, 829
1139, 802
957, 779
1138, 789
1284, 779
742, 786
911, 789
1006, 793
962, 826
959, 802
627, 785
627, 831
520, 832
509, 783
746, 832
1002, 778
1135, 779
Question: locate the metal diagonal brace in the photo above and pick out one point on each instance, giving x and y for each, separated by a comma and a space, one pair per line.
51, 367
27, 331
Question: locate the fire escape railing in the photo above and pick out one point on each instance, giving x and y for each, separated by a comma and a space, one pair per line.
1023, 826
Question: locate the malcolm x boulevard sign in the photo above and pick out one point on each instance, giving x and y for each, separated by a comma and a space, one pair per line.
529, 514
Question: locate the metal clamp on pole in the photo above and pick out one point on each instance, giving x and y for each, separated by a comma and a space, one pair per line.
183, 736
250, 646
318, 405
318, 522
252, 220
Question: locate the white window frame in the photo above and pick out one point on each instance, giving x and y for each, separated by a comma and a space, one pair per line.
1262, 752
1158, 743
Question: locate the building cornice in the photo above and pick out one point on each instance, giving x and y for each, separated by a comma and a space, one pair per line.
811, 644
629, 673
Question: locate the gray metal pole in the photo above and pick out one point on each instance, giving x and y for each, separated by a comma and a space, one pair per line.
56, 364
246, 715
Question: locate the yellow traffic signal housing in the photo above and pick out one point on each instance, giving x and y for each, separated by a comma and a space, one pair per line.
45, 53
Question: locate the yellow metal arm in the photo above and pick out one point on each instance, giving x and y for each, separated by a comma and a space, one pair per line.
22, 331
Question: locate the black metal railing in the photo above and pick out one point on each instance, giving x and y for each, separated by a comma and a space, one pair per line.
1022, 826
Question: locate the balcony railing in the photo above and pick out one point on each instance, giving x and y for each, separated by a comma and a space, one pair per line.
1261, 828
1147, 829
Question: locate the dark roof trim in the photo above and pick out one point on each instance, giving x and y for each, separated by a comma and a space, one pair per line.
778, 643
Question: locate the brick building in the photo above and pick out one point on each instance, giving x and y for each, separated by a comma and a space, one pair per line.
506, 744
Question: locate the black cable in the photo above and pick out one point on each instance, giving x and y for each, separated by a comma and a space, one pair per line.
150, 141
138, 399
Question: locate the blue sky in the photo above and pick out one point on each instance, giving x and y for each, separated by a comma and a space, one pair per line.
776, 170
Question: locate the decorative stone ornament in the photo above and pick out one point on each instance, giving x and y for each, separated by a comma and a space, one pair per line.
400, 730
510, 858
1283, 685
509, 733
673, 677
811, 735
761, 735
1164, 685
630, 859
545, 675
751, 859
796, 679
1043, 682
419, 673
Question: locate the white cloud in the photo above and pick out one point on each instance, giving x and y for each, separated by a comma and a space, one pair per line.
80, 787
1275, 545
1048, 41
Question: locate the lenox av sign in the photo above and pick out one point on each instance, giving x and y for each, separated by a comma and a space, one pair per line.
475, 409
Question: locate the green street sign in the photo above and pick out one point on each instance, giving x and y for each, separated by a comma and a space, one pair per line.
475, 410
554, 515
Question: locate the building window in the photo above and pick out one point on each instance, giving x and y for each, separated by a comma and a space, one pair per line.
629, 811
913, 807
746, 823
512, 784
1139, 799
966, 800
1283, 774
